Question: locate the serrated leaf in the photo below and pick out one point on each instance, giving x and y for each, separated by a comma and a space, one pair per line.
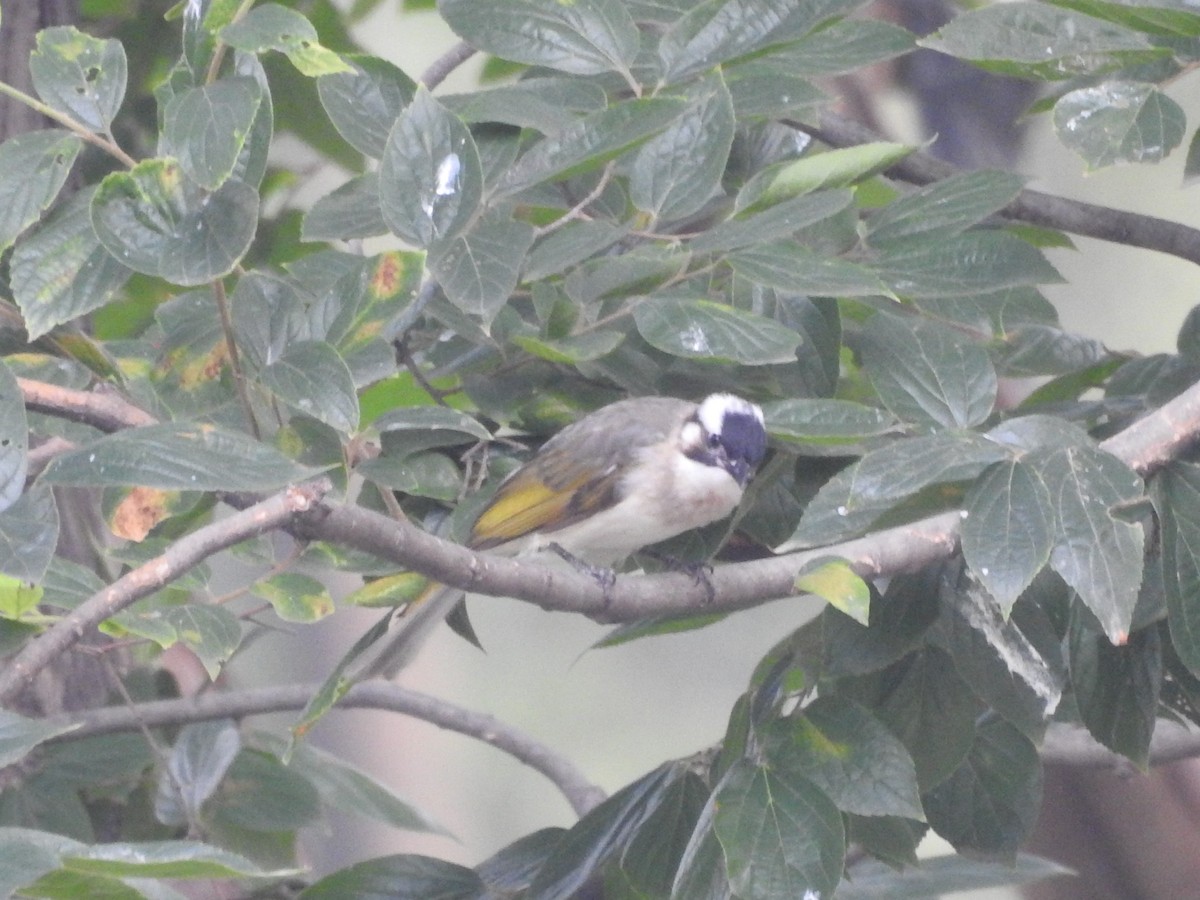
211, 632
201, 756
927, 373
19, 735
401, 875
155, 220
784, 218
80, 75
1035, 40
1008, 531
990, 804
430, 177
782, 836
479, 268
823, 422
1096, 553
29, 535
972, 263
312, 378
347, 213
796, 269
760, 89
270, 26
205, 128
1177, 501
1119, 122
363, 103
676, 172
835, 582
61, 271
946, 207
902, 468
702, 329
585, 37
295, 597
590, 142
177, 457
33, 168
848, 754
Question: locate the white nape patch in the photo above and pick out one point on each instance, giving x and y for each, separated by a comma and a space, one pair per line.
715, 407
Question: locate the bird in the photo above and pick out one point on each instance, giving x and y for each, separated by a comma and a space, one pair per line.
628, 475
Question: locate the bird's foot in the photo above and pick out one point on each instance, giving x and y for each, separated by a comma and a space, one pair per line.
602, 575
700, 572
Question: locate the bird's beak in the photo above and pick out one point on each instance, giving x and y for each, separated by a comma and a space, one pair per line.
740, 470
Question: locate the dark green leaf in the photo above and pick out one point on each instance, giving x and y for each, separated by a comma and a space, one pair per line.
826, 421
1117, 688
989, 806
362, 104
1096, 552
202, 755
590, 142
944, 875
1002, 311
430, 178
546, 104
26, 855
29, 535
19, 735
1177, 500
312, 378
795, 269
1033, 350
402, 877
842, 47
479, 268
762, 90
903, 468
206, 128
781, 835
155, 220
80, 75
270, 26
927, 373
970, 263
212, 633
652, 857
886, 838
1034, 40
259, 793
161, 859
511, 870
575, 349
848, 754
177, 457
1119, 122
350, 212
416, 428
946, 207
14, 439
1009, 529
585, 37
675, 173
702, 329
61, 271
900, 620
33, 168
776, 221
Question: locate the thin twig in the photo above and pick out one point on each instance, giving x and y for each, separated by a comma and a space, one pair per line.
441, 67
176, 560
235, 364
108, 145
581, 794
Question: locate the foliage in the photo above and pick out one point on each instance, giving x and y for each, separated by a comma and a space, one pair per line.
641, 209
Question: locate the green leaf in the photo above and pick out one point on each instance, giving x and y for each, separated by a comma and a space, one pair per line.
835, 582
1096, 552
402, 876
848, 754
270, 26
546, 104
33, 168
781, 835
163, 859
574, 349
177, 457
363, 103
989, 806
796, 269
782, 219
202, 755
156, 221
826, 422
1177, 501
259, 793
430, 178
830, 169
19, 735
413, 429
17, 597
14, 439
80, 75
945, 208
1034, 40
676, 172
590, 142
902, 468
760, 89
479, 268
1117, 688
943, 875
312, 378
29, 535
702, 329
211, 632
1119, 122
972, 263
842, 47
928, 374
206, 128
650, 861
1009, 529
295, 597
584, 37
347, 213
61, 271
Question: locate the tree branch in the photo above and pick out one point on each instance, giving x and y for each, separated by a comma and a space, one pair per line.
106, 411
441, 67
1034, 207
580, 793
175, 561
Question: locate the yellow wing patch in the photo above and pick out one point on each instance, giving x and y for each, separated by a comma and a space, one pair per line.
527, 504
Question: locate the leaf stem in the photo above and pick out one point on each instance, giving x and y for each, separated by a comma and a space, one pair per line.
108, 145
239, 379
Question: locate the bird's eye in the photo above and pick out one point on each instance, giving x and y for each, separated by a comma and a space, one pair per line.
714, 440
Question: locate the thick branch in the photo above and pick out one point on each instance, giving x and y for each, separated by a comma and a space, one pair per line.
1046, 210
175, 561
581, 794
106, 411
